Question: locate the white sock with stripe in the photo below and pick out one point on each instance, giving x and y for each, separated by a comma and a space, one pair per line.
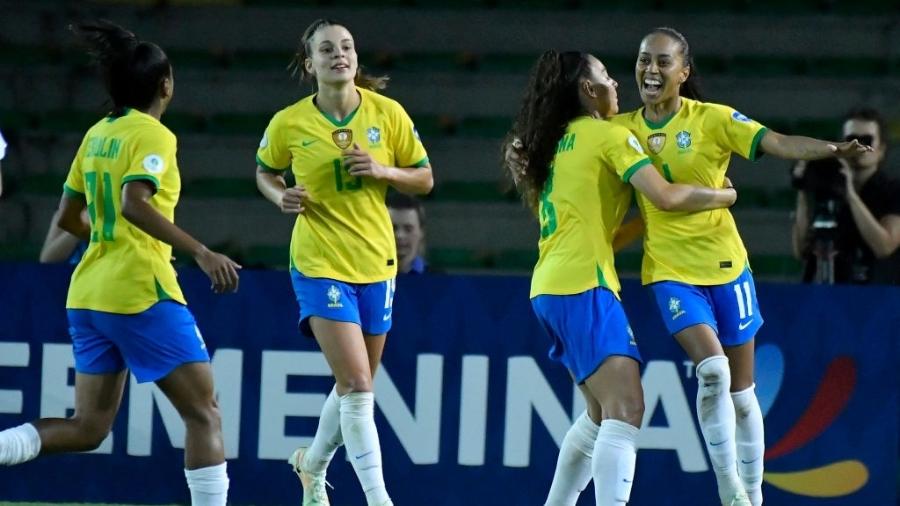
363, 448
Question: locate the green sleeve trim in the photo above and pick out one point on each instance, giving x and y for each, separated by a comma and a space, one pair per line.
634, 168
268, 169
421, 163
754, 147
141, 177
70, 192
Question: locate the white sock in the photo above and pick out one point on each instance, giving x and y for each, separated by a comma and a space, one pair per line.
209, 485
751, 445
19, 444
717, 422
363, 449
614, 457
573, 466
328, 436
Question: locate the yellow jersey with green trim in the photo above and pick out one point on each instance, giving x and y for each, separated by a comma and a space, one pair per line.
694, 146
345, 231
124, 270
582, 204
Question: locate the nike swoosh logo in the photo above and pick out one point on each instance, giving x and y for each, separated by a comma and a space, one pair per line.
749, 461
717, 444
364, 454
742, 326
627, 481
307, 143
386, 317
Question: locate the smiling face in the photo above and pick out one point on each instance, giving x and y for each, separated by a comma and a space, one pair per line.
598, 89
331, 56
660, 69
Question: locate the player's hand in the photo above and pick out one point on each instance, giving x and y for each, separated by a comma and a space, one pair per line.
360, 163
293, 200
850, 149
514, 156
222, 271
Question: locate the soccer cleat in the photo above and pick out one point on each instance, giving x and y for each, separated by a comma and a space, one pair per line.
740, 499
314, 493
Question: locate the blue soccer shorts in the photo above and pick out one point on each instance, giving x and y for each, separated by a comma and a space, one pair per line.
586, 329
151, 343
731, 309
368, 305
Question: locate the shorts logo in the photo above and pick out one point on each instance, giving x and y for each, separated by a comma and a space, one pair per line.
683, 139
200, 337
631, 342
656, 143
374, 135
742, 326
342, 138
675, 307
334, 295
264, 141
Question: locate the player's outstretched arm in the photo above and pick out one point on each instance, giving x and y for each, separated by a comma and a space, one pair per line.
679, 197
797, 147
222, 271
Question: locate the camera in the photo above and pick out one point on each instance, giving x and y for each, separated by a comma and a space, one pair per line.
826, 187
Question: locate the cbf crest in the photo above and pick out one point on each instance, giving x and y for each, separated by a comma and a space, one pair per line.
683, 139
342, 138
334, 297
675, 307
656, 143
374, 135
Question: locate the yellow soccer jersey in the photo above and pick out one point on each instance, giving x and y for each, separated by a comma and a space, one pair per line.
694, 146
582, 205
124, 270
345, 233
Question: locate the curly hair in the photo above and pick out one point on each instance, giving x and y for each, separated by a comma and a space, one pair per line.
550, 102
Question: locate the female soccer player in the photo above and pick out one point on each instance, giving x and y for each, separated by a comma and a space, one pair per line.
575, 176
125, 307
696, 264
345, 144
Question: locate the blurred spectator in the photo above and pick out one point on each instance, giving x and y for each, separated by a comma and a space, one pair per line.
847, 225
2, 155
61, 246
408, 218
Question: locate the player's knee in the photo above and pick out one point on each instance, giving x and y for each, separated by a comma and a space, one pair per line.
714, 376
359, 382
204, 415
629, 410
92, 432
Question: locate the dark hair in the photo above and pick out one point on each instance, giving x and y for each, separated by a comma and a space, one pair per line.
298, 63
397, 200
691, 87
131, 69
550, 102
865, 113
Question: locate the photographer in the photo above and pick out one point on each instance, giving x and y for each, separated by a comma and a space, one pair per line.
847, 225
